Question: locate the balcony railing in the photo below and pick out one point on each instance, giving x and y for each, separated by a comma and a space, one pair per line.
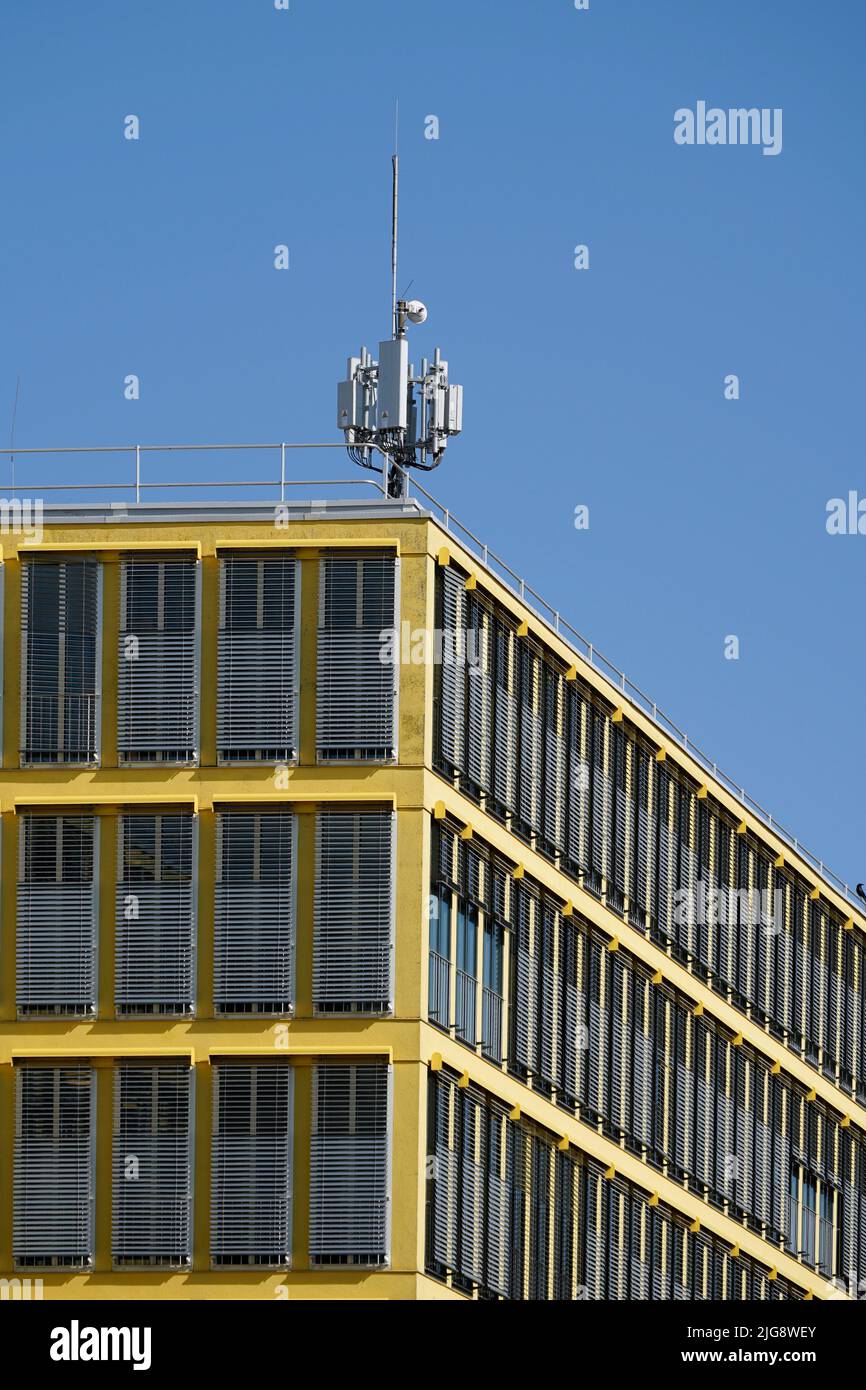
491, 1025
464, 1007
438, 999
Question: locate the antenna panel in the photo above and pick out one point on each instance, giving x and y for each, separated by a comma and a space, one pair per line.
454, 409
393, 384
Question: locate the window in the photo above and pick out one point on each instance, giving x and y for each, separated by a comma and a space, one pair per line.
546, 755
590, 1028
358, 658
826, 1238
524, 1001
151, 1191
504, 719
56, 935
60, 623
53, 1184
467, 949
353, 915
493, 947
451, 673
257, 680
251, 1165
794, 1233
554, 756
350, 1165
478, 1197
254, 913
479, 696
155, 922
814, 1223
808, 1196
529, 734
157, 698
463, 884
440, 958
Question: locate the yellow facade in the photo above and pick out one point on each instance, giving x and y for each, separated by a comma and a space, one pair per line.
407, 1040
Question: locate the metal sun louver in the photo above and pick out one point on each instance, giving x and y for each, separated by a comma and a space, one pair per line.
254, 912
350, 1165
56, 930
155, 924
257, 658
61, 605
251, 1164
157, 697
53, 1182
151, 1173
353, 911
356, 700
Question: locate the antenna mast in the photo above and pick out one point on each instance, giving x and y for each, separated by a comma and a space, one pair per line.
383, 405
394, 177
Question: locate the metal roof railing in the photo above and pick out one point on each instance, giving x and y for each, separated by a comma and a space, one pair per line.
137, 485
549, 616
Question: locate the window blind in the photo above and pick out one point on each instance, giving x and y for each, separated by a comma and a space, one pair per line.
479, 696
56, 933
251, 1164
254, 912
357, 681
451, 679
151, 1177
61, 603
155, 925
504, 718
553, 760
353, 912
350, 1165
529, 740
257, 658
53, 1182
629, 825
157, 696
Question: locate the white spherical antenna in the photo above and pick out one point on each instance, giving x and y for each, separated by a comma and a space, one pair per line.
416, 312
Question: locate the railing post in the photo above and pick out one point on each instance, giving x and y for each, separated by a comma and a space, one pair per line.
282, 472
138, 472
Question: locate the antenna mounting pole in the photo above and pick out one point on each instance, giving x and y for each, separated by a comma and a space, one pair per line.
384, 406
394, 162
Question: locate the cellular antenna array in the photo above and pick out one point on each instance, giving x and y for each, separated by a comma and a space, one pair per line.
384, 406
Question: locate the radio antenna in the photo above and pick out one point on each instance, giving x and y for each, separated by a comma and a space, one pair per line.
12, 431
383, 405
394, 177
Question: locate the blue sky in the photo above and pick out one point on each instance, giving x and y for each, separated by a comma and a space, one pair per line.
601, 387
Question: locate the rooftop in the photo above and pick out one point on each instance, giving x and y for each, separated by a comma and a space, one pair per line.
371, 503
